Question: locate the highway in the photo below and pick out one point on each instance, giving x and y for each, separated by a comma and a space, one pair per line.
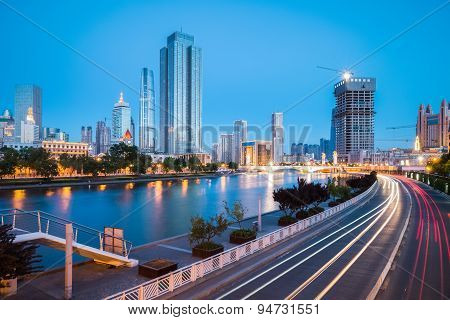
343, 257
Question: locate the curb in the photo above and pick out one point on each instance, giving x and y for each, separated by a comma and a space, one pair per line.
376, 288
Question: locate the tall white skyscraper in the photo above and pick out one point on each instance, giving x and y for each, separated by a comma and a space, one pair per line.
277, 137
354, 117
225, 153
29, 130
147, 129
239, 136
121, 120
180, 95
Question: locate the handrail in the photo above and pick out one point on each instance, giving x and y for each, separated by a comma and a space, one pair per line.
167, 283
48, 224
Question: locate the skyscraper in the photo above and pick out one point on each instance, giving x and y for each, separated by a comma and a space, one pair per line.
147, 129
54, 134
26, 96
333, 130
433, 130
180, 95
239, 136
102, 138
325, 148
277, 137
121, 119
29, 130
226, 147
354, 117
86, 135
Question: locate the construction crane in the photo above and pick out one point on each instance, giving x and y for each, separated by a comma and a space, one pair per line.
401, 127
344, 73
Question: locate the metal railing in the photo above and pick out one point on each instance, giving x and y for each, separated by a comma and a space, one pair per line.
24, 222
167, 283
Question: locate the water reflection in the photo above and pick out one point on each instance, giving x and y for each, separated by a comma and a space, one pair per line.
18, 199
150, 211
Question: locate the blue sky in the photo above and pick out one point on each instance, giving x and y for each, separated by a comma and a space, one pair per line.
258, 57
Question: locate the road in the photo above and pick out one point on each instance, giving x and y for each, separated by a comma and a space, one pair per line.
422, 270
346, 256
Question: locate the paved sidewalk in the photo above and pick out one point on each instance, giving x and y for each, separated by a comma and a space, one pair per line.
97, 281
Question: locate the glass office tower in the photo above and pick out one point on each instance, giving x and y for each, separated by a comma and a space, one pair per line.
180, 95
26, 96
147, 129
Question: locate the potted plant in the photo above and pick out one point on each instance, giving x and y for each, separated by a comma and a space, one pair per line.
16, 259
203, 231
237, 213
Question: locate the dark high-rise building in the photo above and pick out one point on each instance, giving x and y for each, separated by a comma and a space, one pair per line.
180, 95
326, 148
86, 135
27, 96
354, 117
333, 131
102, 138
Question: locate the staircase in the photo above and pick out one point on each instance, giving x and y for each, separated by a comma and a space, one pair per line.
46, 229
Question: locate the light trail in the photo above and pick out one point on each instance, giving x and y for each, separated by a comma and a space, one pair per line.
345, 269
305, 249
376, 215
311, 279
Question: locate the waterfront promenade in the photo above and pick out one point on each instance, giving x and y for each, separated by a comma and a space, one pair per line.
96, 281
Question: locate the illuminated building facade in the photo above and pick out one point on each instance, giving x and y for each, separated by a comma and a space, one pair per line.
57, 148
433, 130
256, 153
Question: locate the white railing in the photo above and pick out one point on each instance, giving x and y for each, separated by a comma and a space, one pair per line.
43, 222
178, 278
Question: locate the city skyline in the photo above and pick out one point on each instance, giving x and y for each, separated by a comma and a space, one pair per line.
281, 96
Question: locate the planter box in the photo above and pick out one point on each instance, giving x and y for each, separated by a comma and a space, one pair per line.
8, 287
240, 240
156, 268
205, 253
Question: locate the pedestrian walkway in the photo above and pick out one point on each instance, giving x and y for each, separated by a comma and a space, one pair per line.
97, 281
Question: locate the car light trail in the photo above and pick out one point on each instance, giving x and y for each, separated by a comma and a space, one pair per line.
377, 215
343, 250
307, 248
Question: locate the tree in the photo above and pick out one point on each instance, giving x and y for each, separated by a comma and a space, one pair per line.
441, 166
168, 164
293, 200
233, 165
178, 165
236, 213
9, 161
194, 164
141, 164
16, 259
91, 166
202, 230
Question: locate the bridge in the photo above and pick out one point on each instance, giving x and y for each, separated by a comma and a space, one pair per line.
320, 168
46, 229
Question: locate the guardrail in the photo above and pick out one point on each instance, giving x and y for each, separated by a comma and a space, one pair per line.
39, 221
167, 283
437, 182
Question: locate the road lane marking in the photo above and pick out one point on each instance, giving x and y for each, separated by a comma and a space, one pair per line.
351, 262
309, 247
299, 289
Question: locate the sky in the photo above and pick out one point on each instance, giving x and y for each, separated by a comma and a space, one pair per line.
258, 57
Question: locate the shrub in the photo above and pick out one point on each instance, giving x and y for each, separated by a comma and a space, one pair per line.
302, 214
243, 233
333, 204
315, 210
286, 220
202, 231
16, 259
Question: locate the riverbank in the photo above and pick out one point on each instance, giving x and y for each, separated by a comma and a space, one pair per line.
28, 183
